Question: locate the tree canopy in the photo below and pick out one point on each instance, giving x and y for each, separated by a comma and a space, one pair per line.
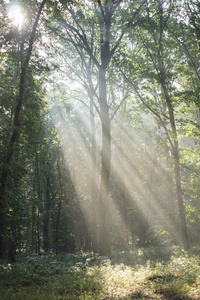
99, 119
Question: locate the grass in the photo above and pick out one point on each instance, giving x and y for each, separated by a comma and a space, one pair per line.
152, 273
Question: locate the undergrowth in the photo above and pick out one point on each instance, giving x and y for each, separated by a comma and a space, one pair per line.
152, 273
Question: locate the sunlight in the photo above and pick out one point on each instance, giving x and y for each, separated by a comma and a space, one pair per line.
136, 165
16, 15
133, 175
76, 153
136, 172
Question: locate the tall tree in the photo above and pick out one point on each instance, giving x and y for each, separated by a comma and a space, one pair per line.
26, 55
110, 28
159, 65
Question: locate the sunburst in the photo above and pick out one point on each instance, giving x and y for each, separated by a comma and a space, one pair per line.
16, 15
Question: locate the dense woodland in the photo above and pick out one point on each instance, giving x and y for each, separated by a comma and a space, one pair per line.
99, 125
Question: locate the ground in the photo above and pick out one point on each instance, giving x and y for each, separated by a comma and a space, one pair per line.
151, 273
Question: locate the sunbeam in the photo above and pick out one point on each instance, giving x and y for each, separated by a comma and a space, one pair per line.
138, 170
74, 131
137, 164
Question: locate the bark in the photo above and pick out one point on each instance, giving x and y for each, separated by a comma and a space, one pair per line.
124, 234
47, 216
33, 230
93, 189
60, 203
104, 242
106, 55
38, 232
38, 190
185, 235
183, 223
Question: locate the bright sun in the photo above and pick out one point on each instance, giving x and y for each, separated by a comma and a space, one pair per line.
16, 15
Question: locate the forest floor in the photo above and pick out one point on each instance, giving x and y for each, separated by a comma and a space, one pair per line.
147, 273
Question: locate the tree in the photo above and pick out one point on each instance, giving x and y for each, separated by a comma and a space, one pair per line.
158, 63
108, 16
26, 55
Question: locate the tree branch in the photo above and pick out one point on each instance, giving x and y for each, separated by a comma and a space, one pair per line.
147, 106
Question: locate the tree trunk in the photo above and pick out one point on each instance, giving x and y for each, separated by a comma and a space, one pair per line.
60, 202
2, 226
93, 189
183, 223
185, 236
46, 216
33, 230
12, 245
38, 232
175, 146
104, 242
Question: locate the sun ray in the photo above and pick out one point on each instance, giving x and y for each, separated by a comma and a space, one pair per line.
76, 149
136, 165
129, 169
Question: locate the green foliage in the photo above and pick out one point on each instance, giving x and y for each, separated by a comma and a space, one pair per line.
154, 273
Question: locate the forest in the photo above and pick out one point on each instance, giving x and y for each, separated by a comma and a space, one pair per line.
99, 141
